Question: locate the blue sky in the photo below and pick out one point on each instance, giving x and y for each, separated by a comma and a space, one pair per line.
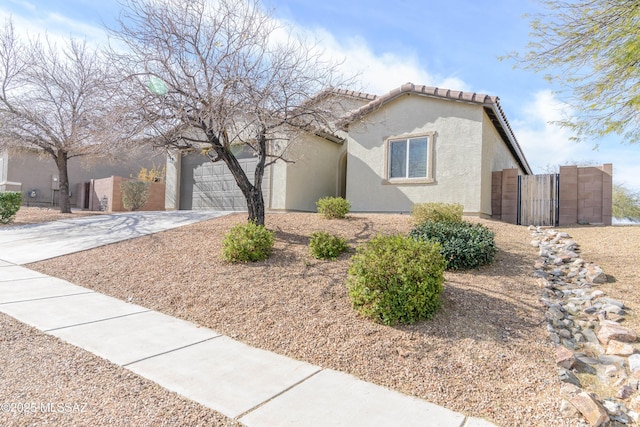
453, 44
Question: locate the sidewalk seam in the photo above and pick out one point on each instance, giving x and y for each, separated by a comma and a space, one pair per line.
49, 297
171, 351
275, 396
96, 321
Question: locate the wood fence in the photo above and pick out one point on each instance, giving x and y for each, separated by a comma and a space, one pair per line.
539, 199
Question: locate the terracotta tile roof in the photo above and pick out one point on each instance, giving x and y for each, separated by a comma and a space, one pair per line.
353, 94
491, 105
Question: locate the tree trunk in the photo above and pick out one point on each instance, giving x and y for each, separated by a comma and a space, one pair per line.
255, 205
251, 192
63, 182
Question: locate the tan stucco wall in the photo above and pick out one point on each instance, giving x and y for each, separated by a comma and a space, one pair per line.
35, 172
495, 157
312, 175
457, 164
172, 181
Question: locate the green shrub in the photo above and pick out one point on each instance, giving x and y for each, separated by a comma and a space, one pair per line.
9, 205
395, 279
247, 242
326, 246
333, 207
464, 245
134, 194
423, 212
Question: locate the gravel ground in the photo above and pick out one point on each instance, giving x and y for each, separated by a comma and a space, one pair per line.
45, 381
486, 353
616, 250
33, 215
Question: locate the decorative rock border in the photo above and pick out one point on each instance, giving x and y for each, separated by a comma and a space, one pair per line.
598, 358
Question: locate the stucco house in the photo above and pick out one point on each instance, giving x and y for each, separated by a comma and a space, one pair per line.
35, 175
414, 144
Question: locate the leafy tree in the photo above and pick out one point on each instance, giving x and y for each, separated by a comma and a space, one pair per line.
592, 48
626, 203
55, 99
221, 77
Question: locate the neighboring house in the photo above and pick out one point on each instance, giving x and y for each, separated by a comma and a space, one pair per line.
415, 144
35, 175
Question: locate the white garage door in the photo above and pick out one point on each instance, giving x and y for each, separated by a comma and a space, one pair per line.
207, 185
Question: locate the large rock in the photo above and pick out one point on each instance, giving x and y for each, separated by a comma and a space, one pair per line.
620, 348
595, 274
566, 376
591, 409
634, 363
614, 331
590, 335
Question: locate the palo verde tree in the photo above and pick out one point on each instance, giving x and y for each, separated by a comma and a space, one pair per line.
592, 49
55, 99
219, 76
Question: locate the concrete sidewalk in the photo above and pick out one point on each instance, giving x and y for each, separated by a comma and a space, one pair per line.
254, 386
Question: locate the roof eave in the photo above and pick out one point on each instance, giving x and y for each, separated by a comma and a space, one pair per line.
503, 127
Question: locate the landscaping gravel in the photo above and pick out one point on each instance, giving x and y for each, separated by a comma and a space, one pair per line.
486, 353
45, 381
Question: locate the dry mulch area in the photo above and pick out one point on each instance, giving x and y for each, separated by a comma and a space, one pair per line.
33, 215
486, 353
617, 251
47, 382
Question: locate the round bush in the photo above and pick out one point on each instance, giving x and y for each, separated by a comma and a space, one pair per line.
10, 202
395, 279
333, 207
436, 211
464, 245
326, 246
247, 242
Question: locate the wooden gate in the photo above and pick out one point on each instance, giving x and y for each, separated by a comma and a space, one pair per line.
538, 199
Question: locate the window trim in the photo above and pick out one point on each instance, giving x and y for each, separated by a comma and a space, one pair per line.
431, 138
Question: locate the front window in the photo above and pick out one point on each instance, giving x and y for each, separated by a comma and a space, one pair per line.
410, 158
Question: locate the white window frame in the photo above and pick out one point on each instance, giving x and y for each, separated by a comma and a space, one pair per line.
429, 178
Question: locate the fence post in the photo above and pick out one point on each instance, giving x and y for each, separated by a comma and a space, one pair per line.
496, 195
607, 193
510, 195
568, 195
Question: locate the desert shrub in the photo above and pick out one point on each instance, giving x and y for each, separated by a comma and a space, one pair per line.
155, 174
464, 245
247, 242
333, 207
134, 194
395, 279
423, 212
326, 246
10, 202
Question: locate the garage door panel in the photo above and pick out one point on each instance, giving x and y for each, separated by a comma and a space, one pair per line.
206, 185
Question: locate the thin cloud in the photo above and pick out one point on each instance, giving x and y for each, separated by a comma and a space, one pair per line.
377, 73
57, 27
543, 142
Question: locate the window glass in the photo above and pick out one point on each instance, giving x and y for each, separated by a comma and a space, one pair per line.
398, 163
418, 158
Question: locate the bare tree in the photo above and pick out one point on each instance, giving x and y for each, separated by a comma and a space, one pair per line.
56, 100
208, 76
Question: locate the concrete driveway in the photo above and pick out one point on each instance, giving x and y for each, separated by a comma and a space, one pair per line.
30, 243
